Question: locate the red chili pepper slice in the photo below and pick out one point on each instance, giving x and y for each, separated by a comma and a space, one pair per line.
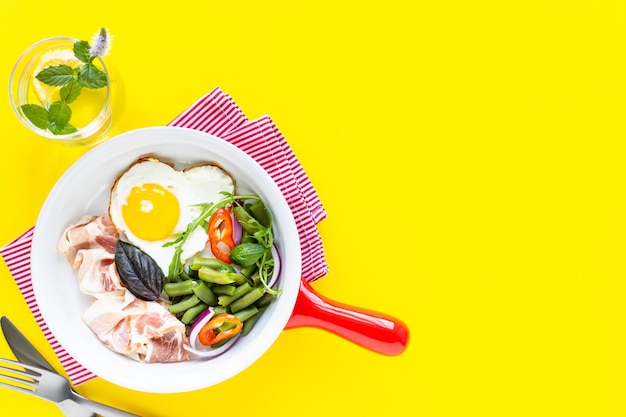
221, 235
210, 333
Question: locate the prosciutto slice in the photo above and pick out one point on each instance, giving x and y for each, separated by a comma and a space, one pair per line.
89, 246
142, 330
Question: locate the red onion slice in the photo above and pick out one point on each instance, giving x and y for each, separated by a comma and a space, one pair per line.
237, 229
196, 349
276, 272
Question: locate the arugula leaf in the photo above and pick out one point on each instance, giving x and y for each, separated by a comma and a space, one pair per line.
266, 269
70, 91
37, 115
57, 75
91, 76
81, 51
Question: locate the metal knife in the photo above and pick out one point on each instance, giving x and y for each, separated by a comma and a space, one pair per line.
25, 352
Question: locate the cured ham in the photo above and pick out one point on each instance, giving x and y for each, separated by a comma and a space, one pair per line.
142, 330
89, 246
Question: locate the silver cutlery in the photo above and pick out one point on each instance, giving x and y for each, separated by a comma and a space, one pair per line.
26, 353
21, 347
48, 385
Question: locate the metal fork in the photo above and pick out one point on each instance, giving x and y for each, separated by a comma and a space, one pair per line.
49, 386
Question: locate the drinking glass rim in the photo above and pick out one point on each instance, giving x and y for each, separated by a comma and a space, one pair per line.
76, 136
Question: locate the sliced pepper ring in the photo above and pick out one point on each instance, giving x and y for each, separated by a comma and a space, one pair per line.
210, 333
220, 233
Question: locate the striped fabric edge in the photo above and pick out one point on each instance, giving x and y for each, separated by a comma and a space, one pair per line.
215, 113
309, 194
16, 255
258, 139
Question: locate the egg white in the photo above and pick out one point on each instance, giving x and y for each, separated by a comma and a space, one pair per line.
196, 185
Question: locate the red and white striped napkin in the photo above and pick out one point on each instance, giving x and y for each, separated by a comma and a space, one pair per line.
218, 114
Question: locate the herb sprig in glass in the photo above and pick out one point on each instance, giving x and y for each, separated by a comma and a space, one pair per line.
56, 116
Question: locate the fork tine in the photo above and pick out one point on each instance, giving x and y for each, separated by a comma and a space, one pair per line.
49, 386
17, 388
26, 376
14, 378
19, 368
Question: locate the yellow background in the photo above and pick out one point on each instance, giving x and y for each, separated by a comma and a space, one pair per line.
470, 155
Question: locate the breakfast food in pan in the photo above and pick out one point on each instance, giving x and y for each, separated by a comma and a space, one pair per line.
179, 266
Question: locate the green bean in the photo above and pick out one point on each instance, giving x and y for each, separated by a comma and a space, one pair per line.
256, 278
246, 313
184, 304
190, 315
259, 212
249, 324
186, 276
247, 237
173, 289
226, 326
239, 279
212, 263
248, 271
204, 293
265, 300
247, 300
248, 223
240, 291
211, 275
219, 310
223, 289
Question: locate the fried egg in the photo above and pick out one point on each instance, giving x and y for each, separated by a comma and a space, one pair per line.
152, 203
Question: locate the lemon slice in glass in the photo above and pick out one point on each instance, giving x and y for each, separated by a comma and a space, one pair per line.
47, 94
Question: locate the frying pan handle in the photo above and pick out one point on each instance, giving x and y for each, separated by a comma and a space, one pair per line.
378, 332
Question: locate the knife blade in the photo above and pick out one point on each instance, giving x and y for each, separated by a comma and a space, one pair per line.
25, 352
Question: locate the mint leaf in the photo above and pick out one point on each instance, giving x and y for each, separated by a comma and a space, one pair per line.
56, 119
91, 76
66, 130
81, 50
59, 114
57, 75
70, 91
37, 115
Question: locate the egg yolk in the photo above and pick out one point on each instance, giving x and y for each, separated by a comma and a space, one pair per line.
151, 212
